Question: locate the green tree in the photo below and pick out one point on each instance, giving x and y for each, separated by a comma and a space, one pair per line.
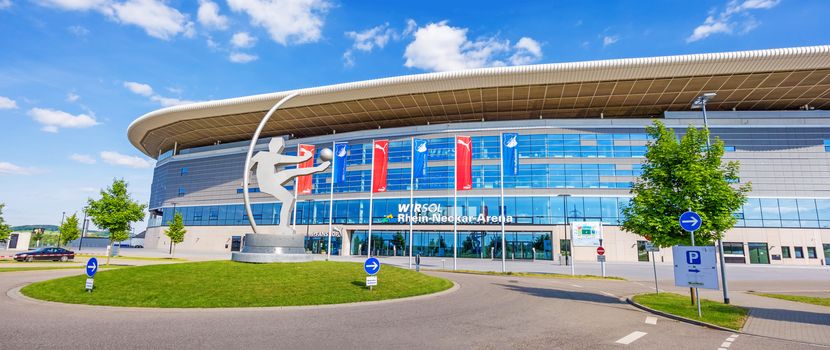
37, 235
175, 231
115, 211
5, 229
69, 230
679, 176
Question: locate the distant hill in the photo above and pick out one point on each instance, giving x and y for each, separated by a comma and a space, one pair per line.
53, 228
31, 227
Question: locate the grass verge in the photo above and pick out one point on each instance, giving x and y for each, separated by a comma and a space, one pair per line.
104, 257
798, 298
231, 284
38, 268
533, 274
729, 316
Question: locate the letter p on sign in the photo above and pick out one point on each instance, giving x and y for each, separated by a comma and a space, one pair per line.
693, 258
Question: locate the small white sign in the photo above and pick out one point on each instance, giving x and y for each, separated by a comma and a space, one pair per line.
695, 267
89, 282
371, 281
600, 258
586, 234
650, 247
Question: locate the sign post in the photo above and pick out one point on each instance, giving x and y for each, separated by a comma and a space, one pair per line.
91, 269
690, 221
371, 266
601, 257
651, 248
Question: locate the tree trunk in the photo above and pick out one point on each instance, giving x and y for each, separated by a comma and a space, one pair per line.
692, 293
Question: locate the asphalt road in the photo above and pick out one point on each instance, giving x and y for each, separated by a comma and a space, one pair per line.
484, 312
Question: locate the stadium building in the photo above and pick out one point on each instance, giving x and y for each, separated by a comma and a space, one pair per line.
580, 143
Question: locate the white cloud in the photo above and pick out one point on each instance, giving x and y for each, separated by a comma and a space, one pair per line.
4, 4
368, 39
725, 21
78, 5
82, 158
243, 40
115, 158
78, 30
527, 51
147, 91
239, 57
7, 103
139, 88
610, 40
52, 120
209, 16
7, 168
72, 97
440, 47
155, 17
169, 101
287, 21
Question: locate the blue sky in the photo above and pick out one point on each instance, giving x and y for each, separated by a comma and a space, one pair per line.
75, 73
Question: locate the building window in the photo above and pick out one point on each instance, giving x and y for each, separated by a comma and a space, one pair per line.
785, 252
827, 145
729, 148
799, 253
811, 252
183, 171
181, 191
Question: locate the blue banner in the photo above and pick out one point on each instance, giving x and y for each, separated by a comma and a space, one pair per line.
339, 166
510, 153
419, 158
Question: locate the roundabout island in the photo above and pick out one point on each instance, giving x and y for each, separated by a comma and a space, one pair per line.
227, 284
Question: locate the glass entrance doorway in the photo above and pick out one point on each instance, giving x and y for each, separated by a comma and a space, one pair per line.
471, 244
236, 243
319, 244
758, 253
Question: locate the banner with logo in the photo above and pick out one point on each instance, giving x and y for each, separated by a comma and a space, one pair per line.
510, 153
586, 234
304, 182
419, 158
463, 163
341, 150
380, 165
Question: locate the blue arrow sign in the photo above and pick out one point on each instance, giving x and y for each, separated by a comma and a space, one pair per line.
371, 266
690, 221
694, 270
91, 267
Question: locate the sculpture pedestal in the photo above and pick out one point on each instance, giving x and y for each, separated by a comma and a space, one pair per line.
269, 248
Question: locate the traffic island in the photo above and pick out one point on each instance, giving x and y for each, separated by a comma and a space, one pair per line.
216, 284
678, 307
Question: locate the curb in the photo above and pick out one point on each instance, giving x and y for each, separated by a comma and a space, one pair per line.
679, 318
15, 294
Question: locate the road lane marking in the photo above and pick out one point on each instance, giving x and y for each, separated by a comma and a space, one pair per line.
725, 345
576, 285
651, 320
628, 339
608, 294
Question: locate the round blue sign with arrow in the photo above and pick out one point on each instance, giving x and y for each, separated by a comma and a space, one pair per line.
371, 266
690, 221
91, 267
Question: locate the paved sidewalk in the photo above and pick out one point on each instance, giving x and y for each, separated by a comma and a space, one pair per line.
785, 319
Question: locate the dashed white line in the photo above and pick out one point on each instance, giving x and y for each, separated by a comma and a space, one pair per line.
725, 345
628, 339
651, 320
608, 294
576, 285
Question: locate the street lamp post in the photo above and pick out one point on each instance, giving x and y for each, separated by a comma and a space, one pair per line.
60, 233
570, 242
83, 232
700, 102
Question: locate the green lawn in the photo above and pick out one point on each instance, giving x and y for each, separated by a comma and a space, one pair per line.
232, 284
716, 313
798, 298
533, 274
104, 257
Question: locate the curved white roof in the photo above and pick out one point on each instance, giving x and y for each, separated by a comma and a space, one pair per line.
770, 79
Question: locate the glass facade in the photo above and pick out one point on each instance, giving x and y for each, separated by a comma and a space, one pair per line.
471, 244
537, 210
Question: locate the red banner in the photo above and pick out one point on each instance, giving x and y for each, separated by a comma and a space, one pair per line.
304, 182
380, 165
463, 163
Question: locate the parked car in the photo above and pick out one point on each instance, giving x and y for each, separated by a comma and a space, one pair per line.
53, 254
